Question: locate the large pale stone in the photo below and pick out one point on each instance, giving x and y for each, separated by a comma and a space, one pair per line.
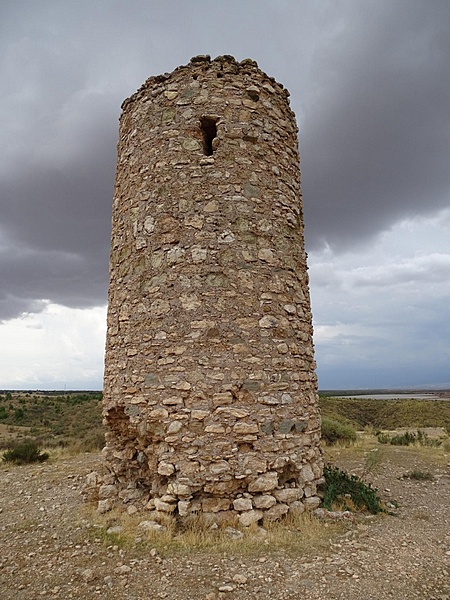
267, 255
215, 428
288, 495
264, 483
276, 512
241, 504
164, 506
179, 489
104, 506
128, 495
183, 507
219, 467
222, 398
158, 413
264, 501
234, 411
251, 516
198, 254
307, 473
297, 507
268, 321
151, 526
254, 464
245, 428
174, 427
199, 415
312, 502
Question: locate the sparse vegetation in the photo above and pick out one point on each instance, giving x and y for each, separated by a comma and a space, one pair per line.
334, 431
55, 419
372, 462
348, 492
25, 451
409, 438
405, 473
387, 414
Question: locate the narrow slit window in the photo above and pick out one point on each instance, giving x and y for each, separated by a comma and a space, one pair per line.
209, 131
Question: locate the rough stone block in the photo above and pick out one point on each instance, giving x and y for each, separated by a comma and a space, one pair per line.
276, 512
241, 504
252, 516
214, 505
288, 495
264, 501
264, 483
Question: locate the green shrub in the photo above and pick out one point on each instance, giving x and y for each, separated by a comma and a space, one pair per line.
335, 431
348, 492
408, 438
24, 452
424, 440
401, 439
383, 438
19, 414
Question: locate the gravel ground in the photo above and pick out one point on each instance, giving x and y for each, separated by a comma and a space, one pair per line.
48, 550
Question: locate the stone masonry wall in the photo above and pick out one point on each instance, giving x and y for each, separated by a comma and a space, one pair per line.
210, 395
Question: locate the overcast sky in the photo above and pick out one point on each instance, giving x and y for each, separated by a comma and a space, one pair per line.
370, 85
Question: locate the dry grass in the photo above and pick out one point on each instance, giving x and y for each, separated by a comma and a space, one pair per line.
422, 516
296, 535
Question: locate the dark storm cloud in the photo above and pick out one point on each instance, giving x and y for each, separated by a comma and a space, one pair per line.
376, 140
369, 83
56, 228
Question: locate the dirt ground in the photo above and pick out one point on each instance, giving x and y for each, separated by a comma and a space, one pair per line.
49, 551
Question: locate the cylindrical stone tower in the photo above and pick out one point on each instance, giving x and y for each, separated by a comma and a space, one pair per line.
210, 395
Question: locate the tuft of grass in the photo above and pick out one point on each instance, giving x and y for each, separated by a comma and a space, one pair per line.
423, 516
348, 492
334, 431
372, 462
24, 452
418, 475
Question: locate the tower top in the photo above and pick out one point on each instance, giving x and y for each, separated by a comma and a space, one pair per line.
224, 65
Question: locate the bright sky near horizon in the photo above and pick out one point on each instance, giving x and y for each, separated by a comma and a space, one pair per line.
370, 85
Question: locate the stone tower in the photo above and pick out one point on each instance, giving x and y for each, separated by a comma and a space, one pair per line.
210, 395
